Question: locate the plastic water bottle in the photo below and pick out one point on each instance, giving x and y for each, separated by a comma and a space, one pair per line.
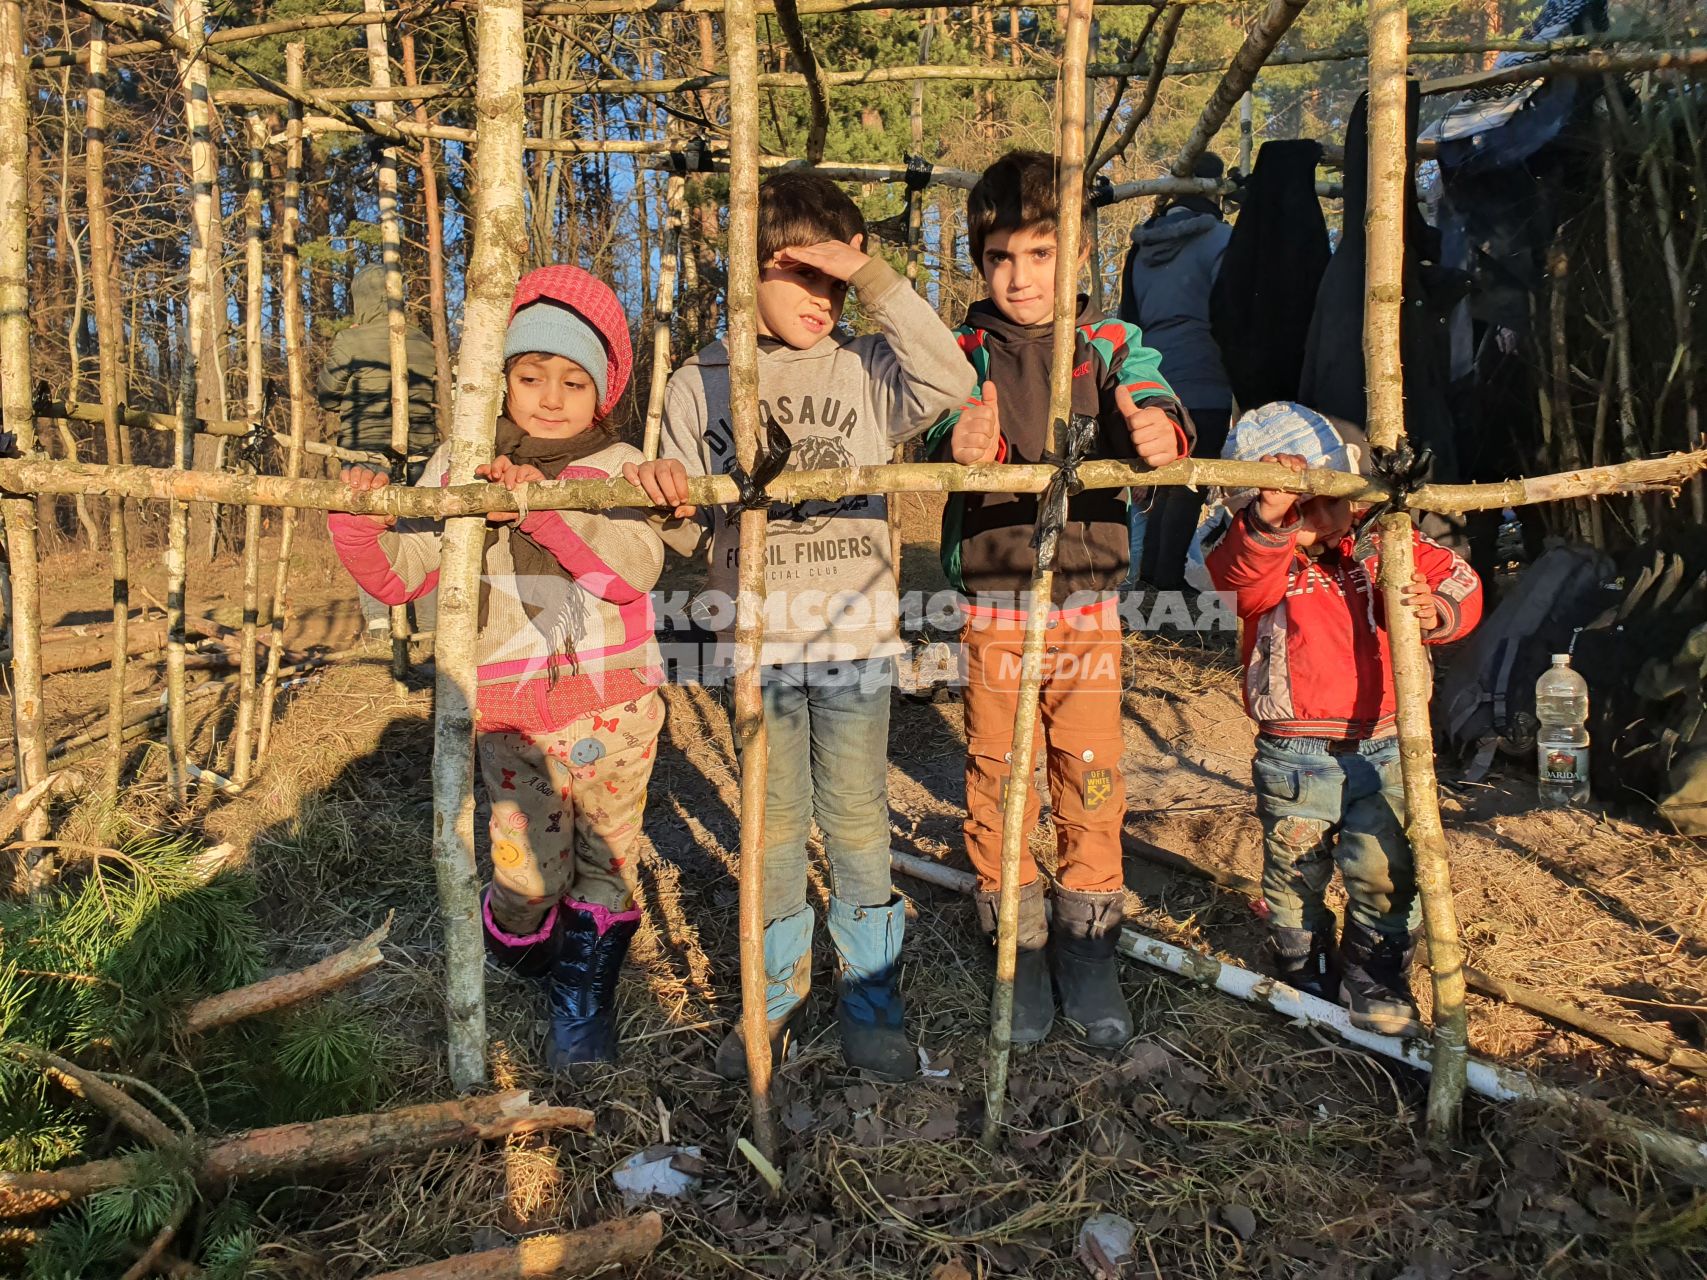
1561, 743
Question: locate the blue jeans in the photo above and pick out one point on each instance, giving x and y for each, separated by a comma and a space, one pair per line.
1320, 807
828, 730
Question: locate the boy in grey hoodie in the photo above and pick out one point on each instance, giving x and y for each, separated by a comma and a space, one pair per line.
832, 609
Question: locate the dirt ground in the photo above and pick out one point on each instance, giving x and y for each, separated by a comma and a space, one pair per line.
1238, 1144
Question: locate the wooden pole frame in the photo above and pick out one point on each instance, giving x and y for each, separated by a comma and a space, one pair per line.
109, 337
254, 280
436, 306
1070, 197
663, 311
296, 385
500, 237
741, 40
16, 415
188, 18
397, 348
1412, 673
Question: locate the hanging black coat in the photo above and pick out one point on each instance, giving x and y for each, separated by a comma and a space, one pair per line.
1265, 293
1332, 381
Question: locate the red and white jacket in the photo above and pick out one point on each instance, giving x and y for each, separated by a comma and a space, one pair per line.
612, 559
1314, 643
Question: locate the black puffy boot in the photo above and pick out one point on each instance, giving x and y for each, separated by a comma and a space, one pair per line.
1082, 941
581, 987
1034, 1001
1375, 982
527, 956
1307, 960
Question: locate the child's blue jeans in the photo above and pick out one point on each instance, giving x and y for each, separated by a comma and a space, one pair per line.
828, 729
1322, 802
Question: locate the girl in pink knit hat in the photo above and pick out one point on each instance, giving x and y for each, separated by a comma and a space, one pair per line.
568, 714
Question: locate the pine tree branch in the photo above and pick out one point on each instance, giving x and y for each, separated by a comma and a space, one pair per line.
116, 1103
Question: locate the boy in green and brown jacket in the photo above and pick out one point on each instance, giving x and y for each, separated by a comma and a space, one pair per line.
987, 553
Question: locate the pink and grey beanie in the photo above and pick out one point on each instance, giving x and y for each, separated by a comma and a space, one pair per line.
565, 311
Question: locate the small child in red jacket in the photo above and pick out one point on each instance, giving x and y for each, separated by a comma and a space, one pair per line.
1319, 684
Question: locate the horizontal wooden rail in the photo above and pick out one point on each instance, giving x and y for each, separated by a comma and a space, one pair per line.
24, 476
1578, 57
229, 427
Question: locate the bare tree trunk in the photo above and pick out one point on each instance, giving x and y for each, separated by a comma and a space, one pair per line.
108, 335
17, 414
1069, 231
500, 236
296, 382
254, 388
741, 40
436, 308
1383, 305
189, 22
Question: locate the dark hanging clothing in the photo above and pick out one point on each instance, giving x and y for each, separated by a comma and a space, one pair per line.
1265, 293
1332, 379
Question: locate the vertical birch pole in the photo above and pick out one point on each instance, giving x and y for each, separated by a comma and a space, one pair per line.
1383, 305
108, 337
663, 311
1069, 247
189, 22
253, 282
741, 40
435, 255
1627, 430
391, 255
17, 413
296, 384
500, 239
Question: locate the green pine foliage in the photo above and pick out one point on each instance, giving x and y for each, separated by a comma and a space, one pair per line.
97, 971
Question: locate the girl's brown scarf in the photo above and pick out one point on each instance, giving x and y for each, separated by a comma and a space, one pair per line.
533, 564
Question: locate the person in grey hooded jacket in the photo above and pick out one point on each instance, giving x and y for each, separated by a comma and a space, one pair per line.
1169, 273
355, 383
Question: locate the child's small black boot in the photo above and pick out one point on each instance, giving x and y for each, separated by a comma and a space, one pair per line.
1083, 938
1375, 982
1034, 1001
581, 987
1307, 959
526, 955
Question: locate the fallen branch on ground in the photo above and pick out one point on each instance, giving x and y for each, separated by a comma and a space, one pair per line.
286, 989
319, 1144
623, 1242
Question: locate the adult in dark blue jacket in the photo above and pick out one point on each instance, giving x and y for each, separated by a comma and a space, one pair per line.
1165, 292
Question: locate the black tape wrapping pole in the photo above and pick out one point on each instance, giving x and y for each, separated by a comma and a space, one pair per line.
771, 461
1080, 435
1401, 472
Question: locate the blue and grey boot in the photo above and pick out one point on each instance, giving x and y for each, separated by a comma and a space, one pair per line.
788, 970
869, 1011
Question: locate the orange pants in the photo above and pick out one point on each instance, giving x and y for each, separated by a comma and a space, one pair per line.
1079, 726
